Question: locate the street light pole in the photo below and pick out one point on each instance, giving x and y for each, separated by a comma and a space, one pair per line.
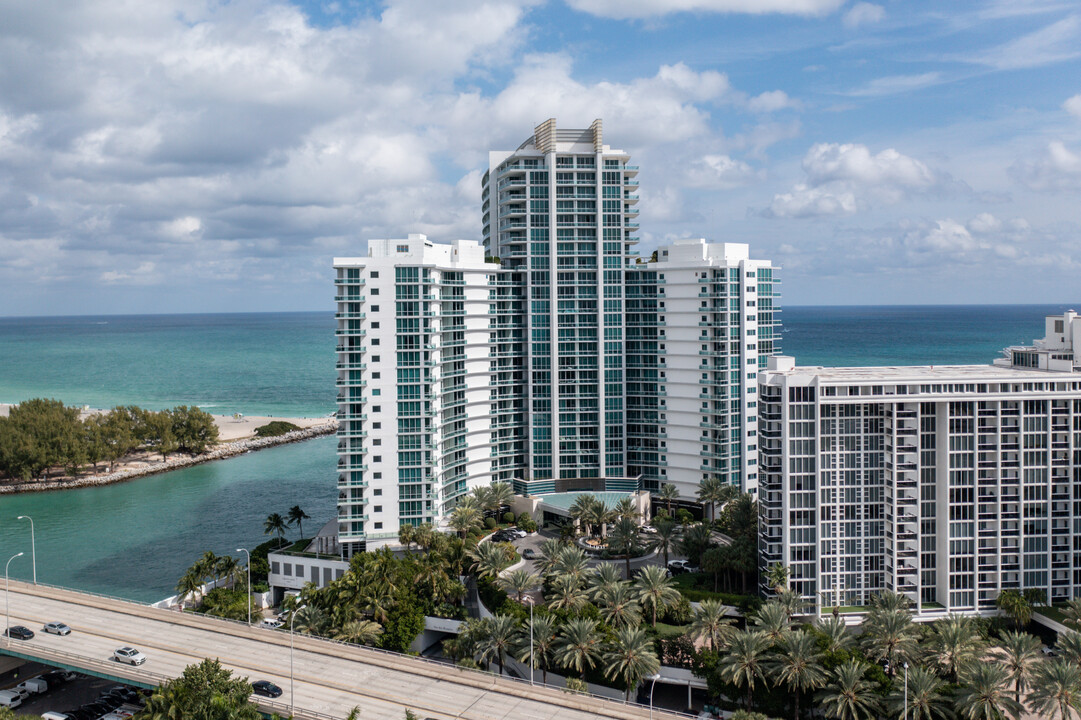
655, 677
905, 716
7, 599
292, 697
33, 549
248, 554
529, 598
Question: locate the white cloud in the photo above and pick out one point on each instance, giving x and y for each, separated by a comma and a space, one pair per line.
841, 178
143, 274
1073, 106
1055, 43
895, 84
1057, 168
624, 9
805, 202
863, 13
771, 101
720, 171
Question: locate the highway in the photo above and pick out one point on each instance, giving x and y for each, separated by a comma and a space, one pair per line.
330, 678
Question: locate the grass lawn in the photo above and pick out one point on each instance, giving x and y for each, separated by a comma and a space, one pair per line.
666, 631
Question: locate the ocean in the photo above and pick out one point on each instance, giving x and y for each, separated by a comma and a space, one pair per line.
135, 539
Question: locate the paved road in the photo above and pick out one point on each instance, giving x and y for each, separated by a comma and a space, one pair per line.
330, 678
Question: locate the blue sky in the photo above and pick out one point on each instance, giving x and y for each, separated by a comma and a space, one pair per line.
214, 155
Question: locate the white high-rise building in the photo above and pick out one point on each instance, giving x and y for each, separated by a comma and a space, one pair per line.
560, 362
947, 484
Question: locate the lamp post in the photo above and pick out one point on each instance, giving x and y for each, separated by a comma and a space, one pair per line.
7, 599
905, 716
248, 554
33, 549
292, 697
655, 677
529, 599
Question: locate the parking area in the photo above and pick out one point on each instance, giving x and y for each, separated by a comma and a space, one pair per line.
77, 691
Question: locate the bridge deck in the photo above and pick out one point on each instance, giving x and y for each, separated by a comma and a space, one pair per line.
330, 678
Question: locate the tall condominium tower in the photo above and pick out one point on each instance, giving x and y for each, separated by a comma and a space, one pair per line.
947, 484
621, 352
559, 362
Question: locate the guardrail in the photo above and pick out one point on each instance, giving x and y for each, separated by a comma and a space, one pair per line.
482, 680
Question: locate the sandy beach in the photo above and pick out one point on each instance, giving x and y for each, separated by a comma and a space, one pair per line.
236, 436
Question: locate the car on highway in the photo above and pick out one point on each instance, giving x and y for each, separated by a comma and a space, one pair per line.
129, 655
56, 628
19, 632
266, 689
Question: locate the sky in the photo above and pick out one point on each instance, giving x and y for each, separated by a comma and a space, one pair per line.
159, 156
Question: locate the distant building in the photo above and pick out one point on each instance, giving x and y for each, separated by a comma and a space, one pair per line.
947, 484
553, 358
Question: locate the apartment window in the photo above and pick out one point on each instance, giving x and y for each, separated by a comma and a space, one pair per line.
378, 491
377, 458
376, 426
378, 526
403, 248
375, 341
377, 408
375, 326
377, 441
375, 376
375, 291
377, 508
378, 476
375, 308
375, 358
375, 274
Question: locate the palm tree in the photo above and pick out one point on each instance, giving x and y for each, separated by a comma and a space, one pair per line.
549, 555
710, 492
581, 510
777, 577
625, 508
631, 657
799, 665
926, 700
598, 516
189, 585
520, 582
836, 631
571, 561
276, 524
463, 518
890, 635
312, 620
665, 538
489, 559
772, 619
481, 494
206, 566
377, 600
624, 540
579, 645
360, 632
229, 568
1022, 655
1069, 646
984, 694
497, 637
655, 590
668, 493
1015, 606
791, 601
499, 494
1056, 689
849, 696
1072, 611
297, 517
710, 623
955, 643
601, 578
745, 661
566, 594
619, 605
544, 642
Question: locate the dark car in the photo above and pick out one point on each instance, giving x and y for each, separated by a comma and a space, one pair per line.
79, 714
97, 709
266, 689
56, 677
19, 632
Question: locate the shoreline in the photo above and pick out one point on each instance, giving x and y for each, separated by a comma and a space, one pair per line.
237, 436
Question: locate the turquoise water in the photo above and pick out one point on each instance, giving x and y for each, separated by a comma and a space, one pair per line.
135, 539
257, 364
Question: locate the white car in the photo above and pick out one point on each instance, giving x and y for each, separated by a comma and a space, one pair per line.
648, 530
271, 623
129, 655
517, 532
56, 628
33, 686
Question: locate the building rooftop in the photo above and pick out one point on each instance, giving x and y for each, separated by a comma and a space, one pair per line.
926, 373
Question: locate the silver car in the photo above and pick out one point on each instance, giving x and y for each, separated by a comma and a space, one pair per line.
56, 628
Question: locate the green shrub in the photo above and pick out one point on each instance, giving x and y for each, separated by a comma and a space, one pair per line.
508, 518
490, 523
275, 428
527, 524
677, 614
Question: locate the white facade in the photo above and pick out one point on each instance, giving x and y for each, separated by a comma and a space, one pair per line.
568, 365
415, 384
944, 483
